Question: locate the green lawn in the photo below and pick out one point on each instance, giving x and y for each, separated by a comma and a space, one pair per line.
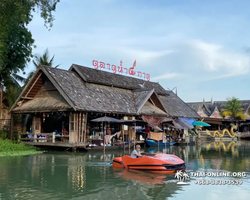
9, 148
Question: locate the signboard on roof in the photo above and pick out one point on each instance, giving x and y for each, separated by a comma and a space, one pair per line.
120, 69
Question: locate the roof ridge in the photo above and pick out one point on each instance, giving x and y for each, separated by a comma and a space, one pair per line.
114, 73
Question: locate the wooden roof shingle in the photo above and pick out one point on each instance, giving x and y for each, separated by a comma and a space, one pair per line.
176, 107
90, 90
93, 97
116, 80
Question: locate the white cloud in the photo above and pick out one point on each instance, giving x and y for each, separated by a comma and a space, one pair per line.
166, 76
169, 43
216, 58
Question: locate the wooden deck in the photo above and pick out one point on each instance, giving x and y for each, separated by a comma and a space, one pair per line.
50, 142
78, 146
244, 135
217, 139
56, 144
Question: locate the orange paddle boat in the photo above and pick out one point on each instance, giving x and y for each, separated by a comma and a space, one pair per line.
156, 163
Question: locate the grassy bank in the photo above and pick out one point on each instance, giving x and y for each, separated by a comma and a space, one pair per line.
9, 148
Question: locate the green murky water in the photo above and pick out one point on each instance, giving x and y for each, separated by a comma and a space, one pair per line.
91, 176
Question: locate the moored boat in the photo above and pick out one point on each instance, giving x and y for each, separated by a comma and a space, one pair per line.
156, 163
152, 143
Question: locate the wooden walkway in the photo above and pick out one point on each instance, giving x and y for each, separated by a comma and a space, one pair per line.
56, 144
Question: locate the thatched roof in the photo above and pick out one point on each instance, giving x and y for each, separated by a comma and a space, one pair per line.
115, 80
141, 97
47, 99
80, 91
211, 106
150, 109
176, 107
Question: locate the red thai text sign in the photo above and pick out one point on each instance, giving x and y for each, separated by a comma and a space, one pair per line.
120, 69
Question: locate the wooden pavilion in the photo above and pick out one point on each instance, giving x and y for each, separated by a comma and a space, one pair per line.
56, 99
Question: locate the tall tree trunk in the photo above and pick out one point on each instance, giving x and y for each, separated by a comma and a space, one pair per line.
1, 108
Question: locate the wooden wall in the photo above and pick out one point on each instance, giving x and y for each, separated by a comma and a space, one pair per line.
77, 127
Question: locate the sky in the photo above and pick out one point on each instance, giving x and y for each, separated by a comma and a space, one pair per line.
202, 48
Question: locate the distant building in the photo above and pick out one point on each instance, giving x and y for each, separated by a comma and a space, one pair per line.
210, 112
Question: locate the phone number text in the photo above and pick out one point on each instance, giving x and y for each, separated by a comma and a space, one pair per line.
218, 182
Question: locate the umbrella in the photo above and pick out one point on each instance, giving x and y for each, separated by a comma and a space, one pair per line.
200, 123
184, 124
106, 119
132, 122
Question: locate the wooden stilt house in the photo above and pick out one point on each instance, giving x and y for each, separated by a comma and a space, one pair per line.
59, 100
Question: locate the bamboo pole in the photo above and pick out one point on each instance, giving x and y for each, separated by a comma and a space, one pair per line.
82, 127
134, 135
165, 140
85, 127
103, 138
123, 139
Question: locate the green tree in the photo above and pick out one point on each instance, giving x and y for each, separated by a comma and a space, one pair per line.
16, 40
233, 109
42, 60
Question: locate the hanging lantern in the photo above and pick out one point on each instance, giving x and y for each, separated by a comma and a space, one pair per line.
44, 117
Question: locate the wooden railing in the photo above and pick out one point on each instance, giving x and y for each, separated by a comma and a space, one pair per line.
50, 137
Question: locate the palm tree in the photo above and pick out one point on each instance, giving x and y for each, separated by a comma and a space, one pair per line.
233, 109
11, 88
179, 175
41, 60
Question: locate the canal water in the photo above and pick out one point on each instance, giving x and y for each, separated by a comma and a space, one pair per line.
62, 175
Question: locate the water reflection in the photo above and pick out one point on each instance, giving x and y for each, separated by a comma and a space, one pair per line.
90, 175
140, 176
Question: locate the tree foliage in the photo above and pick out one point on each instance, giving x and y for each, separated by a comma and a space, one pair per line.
16, 40
42, 60
233, 109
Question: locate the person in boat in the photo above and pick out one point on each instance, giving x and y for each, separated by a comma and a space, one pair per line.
136, 153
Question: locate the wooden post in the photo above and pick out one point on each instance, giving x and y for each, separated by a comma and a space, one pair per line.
19, 137
165, 136
158, 145
123, 139
85, 128
103, 138
81, 135
35, 137
128, 145
11, 126
53, 137
133, 133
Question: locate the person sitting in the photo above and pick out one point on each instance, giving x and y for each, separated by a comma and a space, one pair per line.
64, 132
136, 152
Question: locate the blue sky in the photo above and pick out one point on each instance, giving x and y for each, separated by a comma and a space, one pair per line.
200, 47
